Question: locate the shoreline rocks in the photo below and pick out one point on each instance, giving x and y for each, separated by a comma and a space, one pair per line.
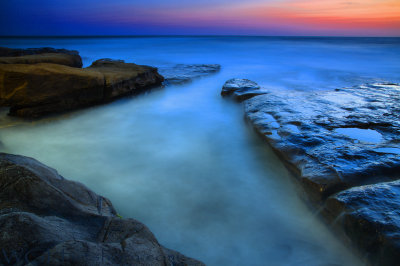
48, 220
40, 55
35, 90
182, 73
342, 145
36, 82
122, 78
369, 215
241, 89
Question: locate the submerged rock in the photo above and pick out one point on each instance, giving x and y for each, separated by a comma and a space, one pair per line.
40, 89
40, 55
241, 89
183, 73
336, 140
48, 220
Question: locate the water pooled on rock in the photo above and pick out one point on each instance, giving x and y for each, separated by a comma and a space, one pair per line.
365, 135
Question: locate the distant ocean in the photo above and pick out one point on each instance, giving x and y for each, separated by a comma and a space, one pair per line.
182, 159
278, 62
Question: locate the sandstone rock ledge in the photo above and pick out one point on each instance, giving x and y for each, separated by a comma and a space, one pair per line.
36, 82
40, 55
48, 220
34, 90
343, 145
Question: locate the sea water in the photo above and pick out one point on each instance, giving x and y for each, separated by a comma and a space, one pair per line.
182, 160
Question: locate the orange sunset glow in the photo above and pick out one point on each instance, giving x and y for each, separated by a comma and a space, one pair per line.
267, 17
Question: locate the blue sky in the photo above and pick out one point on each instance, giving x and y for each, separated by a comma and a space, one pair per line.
255, 17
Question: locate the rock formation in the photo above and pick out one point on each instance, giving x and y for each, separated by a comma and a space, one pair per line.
125, 78
34, 90
181, 73
241, 89
41, 81
369, 215
343, 145
40, 55
48, 220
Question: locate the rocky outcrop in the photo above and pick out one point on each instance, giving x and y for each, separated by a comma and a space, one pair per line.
337, 143
40, 81
182, 73
124, 78
48, 220
335, 139
370, 216
40, 89
40, 55
61, 59
241, 89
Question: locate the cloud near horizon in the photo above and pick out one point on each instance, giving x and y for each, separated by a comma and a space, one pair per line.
274, 17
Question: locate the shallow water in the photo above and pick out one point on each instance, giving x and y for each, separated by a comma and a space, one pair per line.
364, 135
388, 150
182, 160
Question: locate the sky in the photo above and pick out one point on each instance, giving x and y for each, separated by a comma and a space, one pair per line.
201, 17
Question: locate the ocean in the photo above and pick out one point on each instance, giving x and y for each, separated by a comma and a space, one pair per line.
183, 161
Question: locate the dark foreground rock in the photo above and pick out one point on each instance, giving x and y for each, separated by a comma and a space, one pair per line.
370, 216
40, 55
182, 73
336, 140
40, 89
48, 220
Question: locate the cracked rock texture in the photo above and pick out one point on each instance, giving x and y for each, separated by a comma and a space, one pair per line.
342, 145
48, 220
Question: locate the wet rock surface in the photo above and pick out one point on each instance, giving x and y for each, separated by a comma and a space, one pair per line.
40, 55
182, 73
370, 216
334, 141
48, 220
241, 89
34, 90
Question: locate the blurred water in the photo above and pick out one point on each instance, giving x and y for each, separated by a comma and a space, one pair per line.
182, 160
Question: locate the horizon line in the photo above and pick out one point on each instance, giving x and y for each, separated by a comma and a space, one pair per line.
187, 35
